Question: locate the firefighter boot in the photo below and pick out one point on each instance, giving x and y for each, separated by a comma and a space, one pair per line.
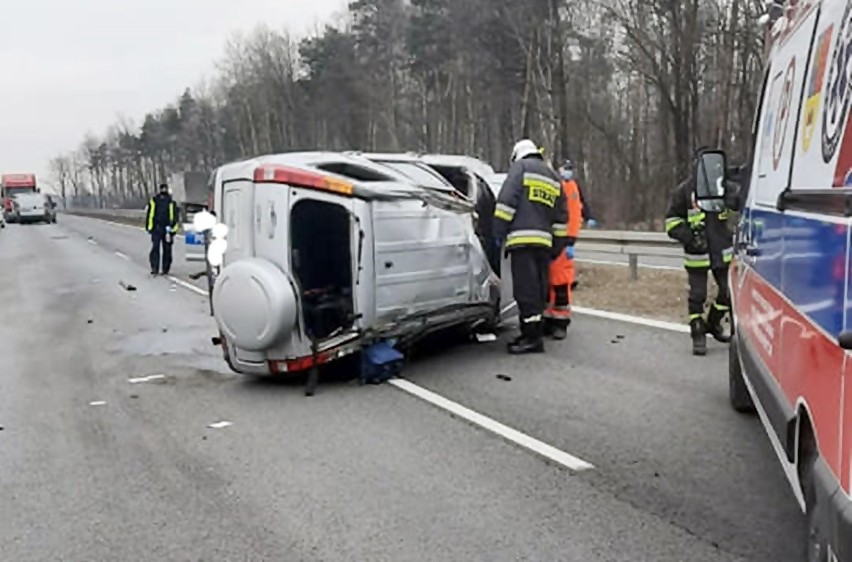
714, 325
531, 340
699, 336
560, 329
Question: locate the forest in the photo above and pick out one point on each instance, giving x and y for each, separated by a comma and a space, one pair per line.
627, 89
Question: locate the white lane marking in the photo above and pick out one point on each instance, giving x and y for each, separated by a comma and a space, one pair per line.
122, 256
560, 457
619, 317
641, 265
219, 425
97, 403
146, 379
650, 322
188, 286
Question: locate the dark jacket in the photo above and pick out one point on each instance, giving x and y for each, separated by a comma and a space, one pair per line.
706, 237
531, 209
160, 213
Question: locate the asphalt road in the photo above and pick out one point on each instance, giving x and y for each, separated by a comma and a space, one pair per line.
355, 473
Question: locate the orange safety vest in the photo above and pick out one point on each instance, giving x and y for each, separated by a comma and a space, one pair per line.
562, 269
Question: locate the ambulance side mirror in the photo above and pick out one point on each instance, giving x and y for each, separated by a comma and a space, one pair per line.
710, 175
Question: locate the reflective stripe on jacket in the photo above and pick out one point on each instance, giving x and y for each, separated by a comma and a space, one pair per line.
531, 209
161, 213
683, 220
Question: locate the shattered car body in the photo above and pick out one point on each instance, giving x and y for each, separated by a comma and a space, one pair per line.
318, 265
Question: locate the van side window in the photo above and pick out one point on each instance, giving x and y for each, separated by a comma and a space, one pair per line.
755, 123
354, 172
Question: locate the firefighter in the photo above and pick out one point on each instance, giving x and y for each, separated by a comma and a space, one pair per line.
531, 222
700, 224
161, 223
557, 315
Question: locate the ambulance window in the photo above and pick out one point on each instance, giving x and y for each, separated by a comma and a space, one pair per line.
357, 173
755, 123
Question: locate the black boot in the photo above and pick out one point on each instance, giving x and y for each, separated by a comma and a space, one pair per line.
560, 329
531, 340
714, 325
699, 336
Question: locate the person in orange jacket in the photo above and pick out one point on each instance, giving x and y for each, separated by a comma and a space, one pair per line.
557, 315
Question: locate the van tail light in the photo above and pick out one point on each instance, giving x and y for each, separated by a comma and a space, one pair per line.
300, 363
301, 178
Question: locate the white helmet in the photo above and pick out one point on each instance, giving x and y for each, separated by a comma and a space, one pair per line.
524, 148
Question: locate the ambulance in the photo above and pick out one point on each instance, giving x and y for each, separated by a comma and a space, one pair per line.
790, 280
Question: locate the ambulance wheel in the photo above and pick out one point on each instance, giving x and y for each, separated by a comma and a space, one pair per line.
737, 390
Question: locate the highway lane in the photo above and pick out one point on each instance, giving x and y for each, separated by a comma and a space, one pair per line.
355, 473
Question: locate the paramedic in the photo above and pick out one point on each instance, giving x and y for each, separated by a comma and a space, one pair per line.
161, 223
557, 315
700, 224
531, 213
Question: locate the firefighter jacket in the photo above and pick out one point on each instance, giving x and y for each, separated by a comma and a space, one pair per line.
706, 237
531, 209
161, 213
575, 209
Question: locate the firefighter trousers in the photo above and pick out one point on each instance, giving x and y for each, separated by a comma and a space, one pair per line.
698, 290
558, 311
160, 238
530, 281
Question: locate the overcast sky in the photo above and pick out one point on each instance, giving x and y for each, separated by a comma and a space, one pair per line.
68, 67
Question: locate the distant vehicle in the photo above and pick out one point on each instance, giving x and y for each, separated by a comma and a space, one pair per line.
12, 184
327, 255
790, 277
33, 207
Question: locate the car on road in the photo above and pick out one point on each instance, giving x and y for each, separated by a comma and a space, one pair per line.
33, 207
790, 280
326, 256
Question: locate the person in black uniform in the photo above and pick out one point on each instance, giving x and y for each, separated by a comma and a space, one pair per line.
532, 221
161, 223
697, 217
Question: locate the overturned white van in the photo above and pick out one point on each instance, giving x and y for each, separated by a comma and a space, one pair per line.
318, 266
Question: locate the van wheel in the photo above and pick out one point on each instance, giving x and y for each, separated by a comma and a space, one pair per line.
737, 391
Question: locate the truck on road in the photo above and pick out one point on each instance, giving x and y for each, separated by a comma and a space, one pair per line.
14, 184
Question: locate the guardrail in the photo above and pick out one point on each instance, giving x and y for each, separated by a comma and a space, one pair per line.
615, 242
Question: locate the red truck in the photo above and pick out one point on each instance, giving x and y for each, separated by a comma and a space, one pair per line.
13, 184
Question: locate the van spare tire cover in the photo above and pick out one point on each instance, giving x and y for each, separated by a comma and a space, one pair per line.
254, 304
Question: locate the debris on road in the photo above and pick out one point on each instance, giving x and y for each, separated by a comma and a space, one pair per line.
97, 403
126, 286
219, 425
486, 338
150, 378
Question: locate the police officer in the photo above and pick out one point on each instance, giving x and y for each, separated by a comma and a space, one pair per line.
161, 223
532, 221
698, 218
